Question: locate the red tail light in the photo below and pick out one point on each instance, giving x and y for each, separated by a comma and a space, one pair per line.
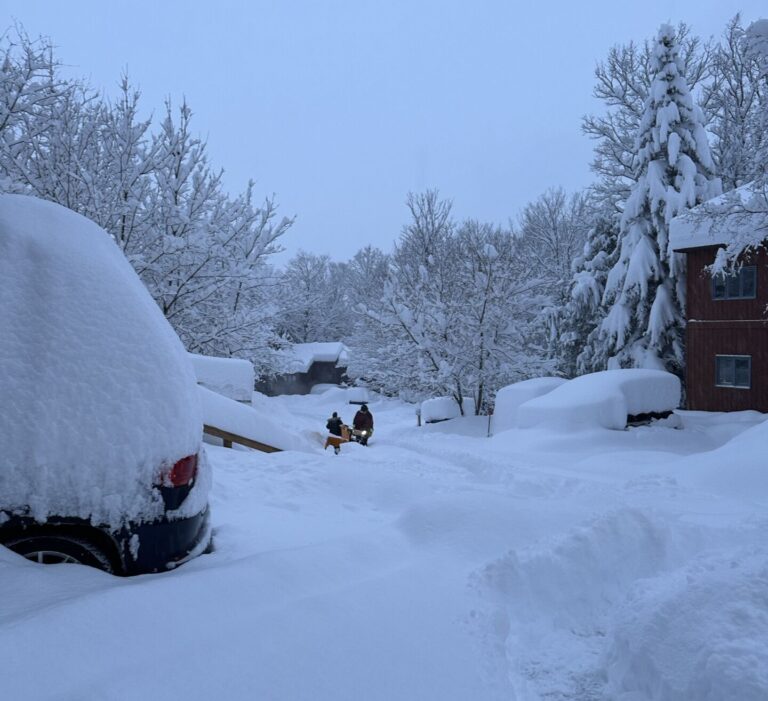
183, 472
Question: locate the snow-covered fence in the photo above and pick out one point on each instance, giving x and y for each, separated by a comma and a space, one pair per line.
234, 422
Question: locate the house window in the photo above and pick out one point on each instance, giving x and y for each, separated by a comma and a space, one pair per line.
733, 371
742, 284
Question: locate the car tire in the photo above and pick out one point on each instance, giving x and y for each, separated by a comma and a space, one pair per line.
55, 549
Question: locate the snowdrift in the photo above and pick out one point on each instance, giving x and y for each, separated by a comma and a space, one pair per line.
602, 400
697, 634
736, 469
231, 416
232, 377
97, 390
509, 399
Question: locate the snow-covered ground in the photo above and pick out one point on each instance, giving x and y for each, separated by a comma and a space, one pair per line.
435, 564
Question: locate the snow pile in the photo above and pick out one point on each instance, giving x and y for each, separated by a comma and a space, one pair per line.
97, 391
509, 399
232, 377
439, 409
234, 417
737, 220
358, 395
602, 399
302, 355
699, 634
575, 576
736, 469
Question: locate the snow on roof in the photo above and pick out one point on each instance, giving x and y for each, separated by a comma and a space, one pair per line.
736, 220
232, 377
602, 399
301, 356
97, 390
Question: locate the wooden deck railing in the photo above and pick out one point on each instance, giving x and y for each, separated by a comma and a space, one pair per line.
230, 438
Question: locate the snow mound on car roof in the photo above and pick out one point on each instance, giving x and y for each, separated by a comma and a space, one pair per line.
509, 399
602, 400
97, 391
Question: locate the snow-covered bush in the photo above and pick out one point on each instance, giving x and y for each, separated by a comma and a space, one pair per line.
602, 400
509, 399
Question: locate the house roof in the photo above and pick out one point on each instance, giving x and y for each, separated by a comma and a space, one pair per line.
736, 220
301, 356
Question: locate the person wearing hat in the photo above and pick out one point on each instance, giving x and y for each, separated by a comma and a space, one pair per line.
363, 421
335, 427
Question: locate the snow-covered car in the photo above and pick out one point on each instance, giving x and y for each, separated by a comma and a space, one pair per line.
101, 458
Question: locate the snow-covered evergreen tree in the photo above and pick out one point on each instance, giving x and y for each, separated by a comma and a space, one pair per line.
622, 84
580, 317
645, 289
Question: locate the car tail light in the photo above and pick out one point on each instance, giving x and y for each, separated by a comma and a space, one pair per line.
183, 472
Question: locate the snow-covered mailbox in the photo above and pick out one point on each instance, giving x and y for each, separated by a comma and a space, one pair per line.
230, 377
307, 365
610, 399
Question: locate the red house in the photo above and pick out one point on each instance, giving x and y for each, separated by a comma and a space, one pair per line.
727, 325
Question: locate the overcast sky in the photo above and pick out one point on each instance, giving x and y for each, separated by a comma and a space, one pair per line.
341, 108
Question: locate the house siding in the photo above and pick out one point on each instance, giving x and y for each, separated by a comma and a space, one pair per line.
700, 304
706, 340
725, 327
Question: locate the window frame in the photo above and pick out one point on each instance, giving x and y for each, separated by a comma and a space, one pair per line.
733, 357
726, 297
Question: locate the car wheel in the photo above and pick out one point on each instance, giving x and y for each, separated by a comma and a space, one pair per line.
55, 549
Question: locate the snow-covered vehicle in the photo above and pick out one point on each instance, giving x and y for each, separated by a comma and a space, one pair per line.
609, 399
101, 457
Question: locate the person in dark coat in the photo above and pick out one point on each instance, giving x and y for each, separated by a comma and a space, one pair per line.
363, 421
334, 426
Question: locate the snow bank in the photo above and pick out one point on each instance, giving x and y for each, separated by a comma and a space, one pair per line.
232, 377
699, 634
439, 409
358, 395
509, 398
602, 399
97, 390
575, 576
302, 355
736, 469
229, 415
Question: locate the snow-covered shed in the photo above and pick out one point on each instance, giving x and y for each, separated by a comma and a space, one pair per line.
727, 295
307, 365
